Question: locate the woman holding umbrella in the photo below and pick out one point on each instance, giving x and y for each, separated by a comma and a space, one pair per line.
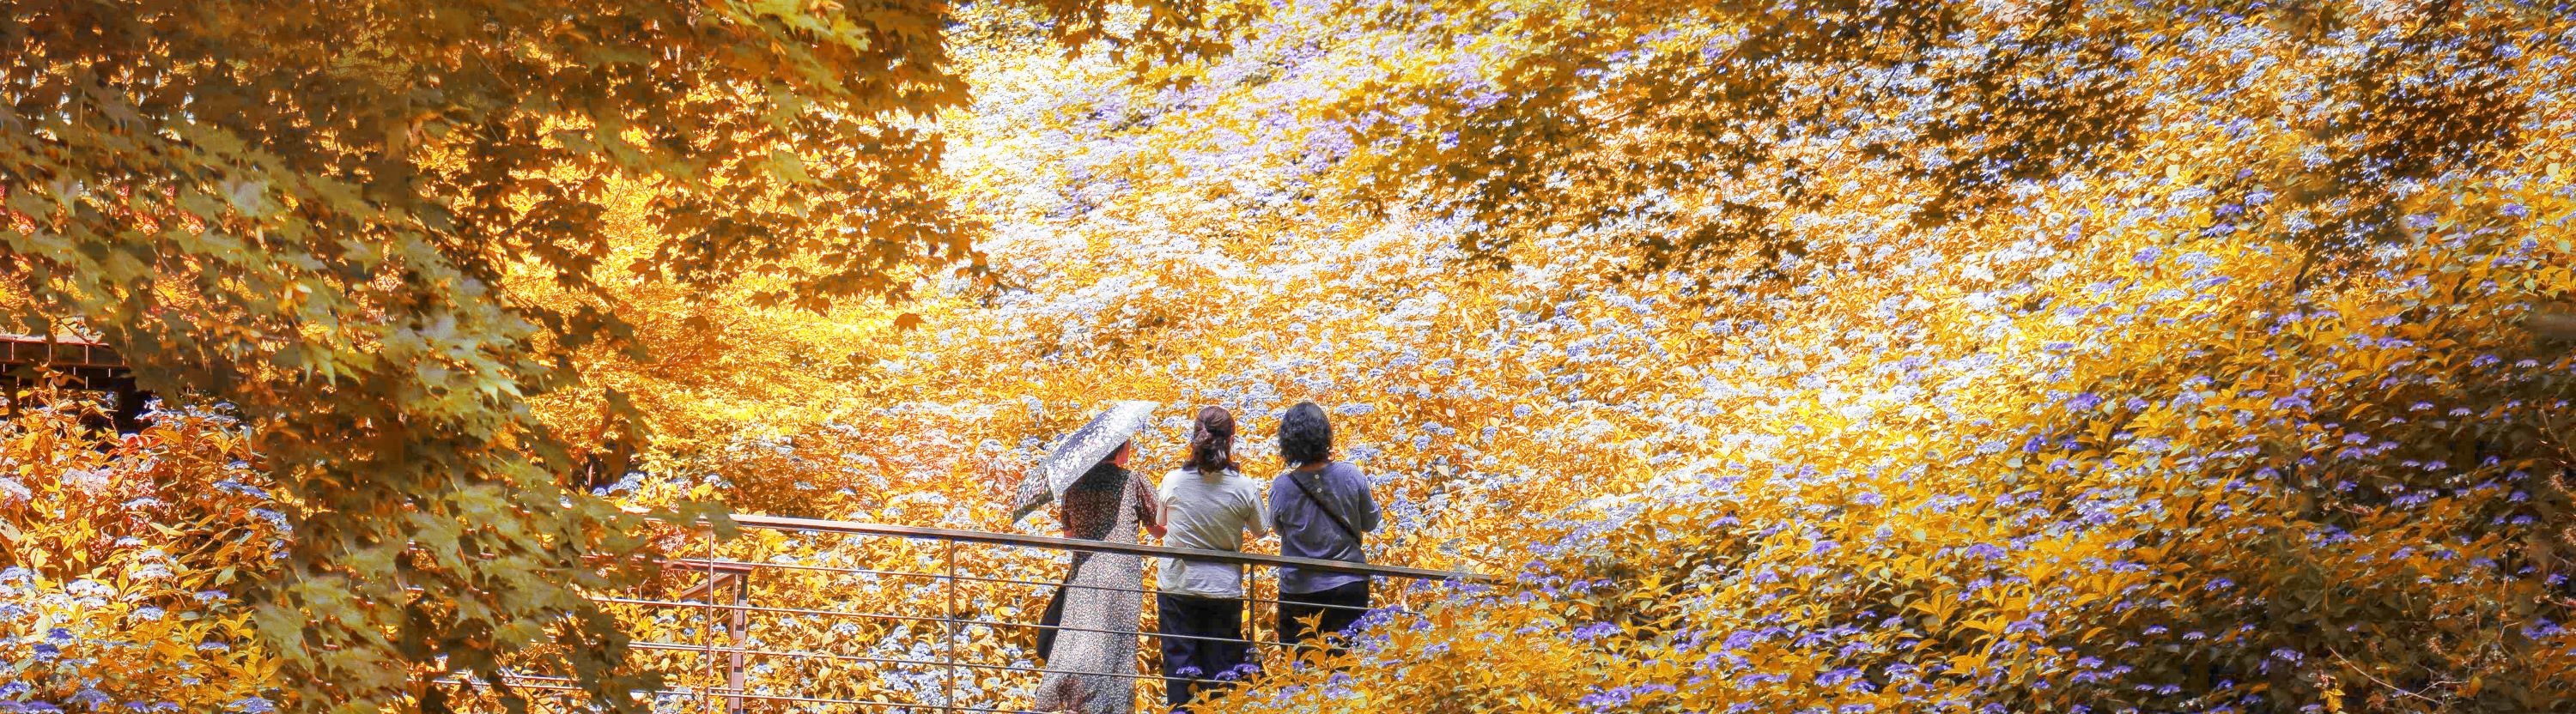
1091, 664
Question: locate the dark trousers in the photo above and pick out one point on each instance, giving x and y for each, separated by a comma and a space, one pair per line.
1186, 660
1334, 609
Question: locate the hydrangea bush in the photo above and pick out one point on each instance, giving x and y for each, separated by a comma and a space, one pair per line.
114, 594
2134, 439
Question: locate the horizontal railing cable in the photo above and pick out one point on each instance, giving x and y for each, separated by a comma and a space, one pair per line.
1096, 546
921, 618
835, 656
747, 564
722, 692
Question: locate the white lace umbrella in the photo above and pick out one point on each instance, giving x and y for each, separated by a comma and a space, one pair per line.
1086, 446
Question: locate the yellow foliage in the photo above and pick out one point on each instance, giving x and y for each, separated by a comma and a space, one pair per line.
114, 587
2141, 436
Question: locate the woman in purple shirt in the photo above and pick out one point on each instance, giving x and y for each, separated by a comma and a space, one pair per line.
1320, 507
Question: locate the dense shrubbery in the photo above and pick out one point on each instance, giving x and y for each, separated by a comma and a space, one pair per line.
114, 589
2179, 428
2126, 471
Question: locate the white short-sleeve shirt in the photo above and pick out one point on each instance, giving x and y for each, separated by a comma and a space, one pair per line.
1208, 513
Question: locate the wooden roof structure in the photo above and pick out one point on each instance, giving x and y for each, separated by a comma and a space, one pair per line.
85, 360
84, 365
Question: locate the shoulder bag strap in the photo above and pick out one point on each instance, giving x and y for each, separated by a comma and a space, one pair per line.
1325, 506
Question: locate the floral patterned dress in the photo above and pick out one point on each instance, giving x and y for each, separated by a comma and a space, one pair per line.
1090, 666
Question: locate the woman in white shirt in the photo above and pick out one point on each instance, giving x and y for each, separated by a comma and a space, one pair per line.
1206, 504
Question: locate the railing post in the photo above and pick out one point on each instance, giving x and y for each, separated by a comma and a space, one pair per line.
948, 650
706, 688
741, 631
1251, 615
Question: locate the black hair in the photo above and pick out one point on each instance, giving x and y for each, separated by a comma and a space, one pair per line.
1111, 459
1305, 436
1212, 442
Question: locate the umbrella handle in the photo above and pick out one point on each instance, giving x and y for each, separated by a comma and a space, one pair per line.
1033, 494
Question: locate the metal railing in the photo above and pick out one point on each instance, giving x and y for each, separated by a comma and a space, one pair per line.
742, 628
